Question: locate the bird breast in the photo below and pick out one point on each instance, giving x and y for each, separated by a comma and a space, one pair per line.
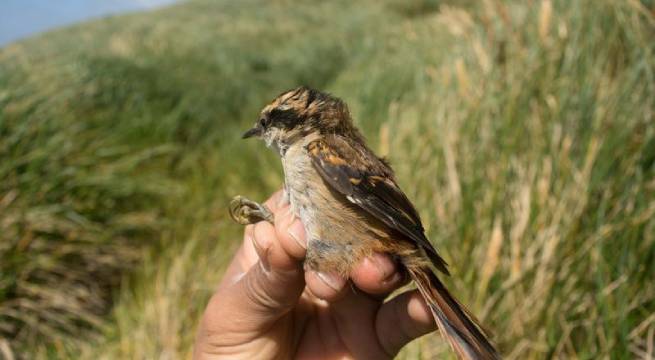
304, 186
339, 233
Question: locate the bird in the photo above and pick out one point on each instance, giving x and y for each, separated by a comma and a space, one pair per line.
351, 206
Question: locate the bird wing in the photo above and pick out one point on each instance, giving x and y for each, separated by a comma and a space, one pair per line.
367, 181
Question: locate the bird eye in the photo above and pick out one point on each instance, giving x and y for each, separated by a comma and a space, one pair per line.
263, 122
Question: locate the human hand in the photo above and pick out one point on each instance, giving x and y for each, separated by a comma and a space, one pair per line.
268, 307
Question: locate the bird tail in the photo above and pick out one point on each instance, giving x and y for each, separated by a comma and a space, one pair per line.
458, 326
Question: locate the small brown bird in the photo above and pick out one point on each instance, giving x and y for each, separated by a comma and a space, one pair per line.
351, 206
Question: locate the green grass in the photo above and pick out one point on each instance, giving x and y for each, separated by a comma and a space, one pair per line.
523, 131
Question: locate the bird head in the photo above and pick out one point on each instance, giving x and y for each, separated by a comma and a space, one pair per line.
299, 112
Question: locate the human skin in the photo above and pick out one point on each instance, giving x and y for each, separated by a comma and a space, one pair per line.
268, 307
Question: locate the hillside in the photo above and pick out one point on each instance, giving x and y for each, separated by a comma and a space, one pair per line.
523, 132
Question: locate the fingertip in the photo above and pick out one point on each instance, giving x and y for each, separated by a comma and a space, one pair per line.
269, 249
403, 319
419, 311
291, 233
325, 286
377, 274
263, 235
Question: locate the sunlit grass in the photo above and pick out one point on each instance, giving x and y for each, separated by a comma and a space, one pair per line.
523, 132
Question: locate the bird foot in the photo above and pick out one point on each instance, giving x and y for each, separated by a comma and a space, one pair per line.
245, 211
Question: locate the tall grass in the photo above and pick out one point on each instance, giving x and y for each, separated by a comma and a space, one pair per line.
523, 131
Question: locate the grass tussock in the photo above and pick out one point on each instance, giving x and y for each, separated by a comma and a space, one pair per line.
523, 131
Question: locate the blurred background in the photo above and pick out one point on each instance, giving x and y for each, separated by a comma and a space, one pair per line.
526, 130
22, 18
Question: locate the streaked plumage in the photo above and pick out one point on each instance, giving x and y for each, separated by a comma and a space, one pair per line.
351, 205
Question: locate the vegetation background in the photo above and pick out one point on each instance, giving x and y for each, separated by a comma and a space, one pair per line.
524, 131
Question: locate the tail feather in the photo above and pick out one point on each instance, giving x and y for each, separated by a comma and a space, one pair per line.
464, 335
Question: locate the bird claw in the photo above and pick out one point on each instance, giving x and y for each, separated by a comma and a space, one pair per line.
246, 212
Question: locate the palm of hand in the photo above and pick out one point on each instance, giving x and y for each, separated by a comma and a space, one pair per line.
335, 331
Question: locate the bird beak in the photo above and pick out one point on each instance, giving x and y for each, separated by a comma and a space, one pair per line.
255, 131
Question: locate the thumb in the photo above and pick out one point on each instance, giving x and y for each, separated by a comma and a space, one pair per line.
265, 293
273, 286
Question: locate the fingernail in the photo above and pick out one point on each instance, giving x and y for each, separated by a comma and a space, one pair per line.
385, 268
335, 282
297, 233
262, 252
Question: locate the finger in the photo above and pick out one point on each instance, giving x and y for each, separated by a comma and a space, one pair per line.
290, 232
258, 300
273, 202
266, 292
354, 313
270, 251
403, 319
246, 256
378, 275
326, 286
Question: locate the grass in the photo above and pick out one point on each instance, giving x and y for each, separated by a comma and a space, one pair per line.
523, 131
